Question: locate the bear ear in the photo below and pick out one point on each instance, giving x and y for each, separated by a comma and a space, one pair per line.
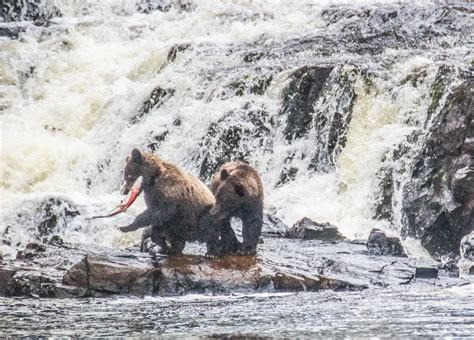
224, 174
136, 156
239, 190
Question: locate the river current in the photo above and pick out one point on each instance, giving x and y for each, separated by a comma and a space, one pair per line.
403, 312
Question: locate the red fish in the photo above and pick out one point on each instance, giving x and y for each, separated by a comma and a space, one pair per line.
127, 202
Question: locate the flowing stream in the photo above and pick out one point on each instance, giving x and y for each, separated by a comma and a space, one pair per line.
198, 82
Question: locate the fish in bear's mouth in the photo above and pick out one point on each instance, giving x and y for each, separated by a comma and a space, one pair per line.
132, 195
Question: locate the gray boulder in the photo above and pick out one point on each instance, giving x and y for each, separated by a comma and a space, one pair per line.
307, 229
380, 244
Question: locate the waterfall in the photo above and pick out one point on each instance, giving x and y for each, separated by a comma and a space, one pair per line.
330, 103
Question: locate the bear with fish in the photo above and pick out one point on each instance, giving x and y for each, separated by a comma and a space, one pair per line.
180, 208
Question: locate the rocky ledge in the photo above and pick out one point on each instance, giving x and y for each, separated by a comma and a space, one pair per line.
61, 270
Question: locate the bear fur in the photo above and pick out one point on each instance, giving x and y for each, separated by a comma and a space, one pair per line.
178, 205
238, 190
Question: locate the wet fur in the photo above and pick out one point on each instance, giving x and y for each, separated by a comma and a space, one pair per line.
178, 205
238, 190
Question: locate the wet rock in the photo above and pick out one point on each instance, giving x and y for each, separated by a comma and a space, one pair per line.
157, 140
175, 50
439, 197
232, 137
294, 283
191, 274
467, 247
371, 30
317, 107
379, 244
42, 219
13, 31
426, 271
28, 10
157, 98
281, 265
299, 97
112, 275
251, 56
55, 213
6, 274
273, 226
307, 229
148, 6
383, 203
332, 117
249, 84
449, 265
30, 251
288, 173
466, 264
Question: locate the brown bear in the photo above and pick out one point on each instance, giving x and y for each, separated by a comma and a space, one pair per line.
238, 190
178, 206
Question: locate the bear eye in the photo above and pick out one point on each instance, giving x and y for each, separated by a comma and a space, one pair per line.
239, 190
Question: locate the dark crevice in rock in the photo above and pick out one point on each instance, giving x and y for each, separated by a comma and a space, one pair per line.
157, 98
175, 50
226, 140
299, 98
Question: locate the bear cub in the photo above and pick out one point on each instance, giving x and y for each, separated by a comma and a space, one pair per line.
178, 206
238, 190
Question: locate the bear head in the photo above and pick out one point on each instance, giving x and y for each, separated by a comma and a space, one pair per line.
230, 194
139, 164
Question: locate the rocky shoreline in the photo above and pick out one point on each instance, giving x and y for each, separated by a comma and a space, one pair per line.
283, 264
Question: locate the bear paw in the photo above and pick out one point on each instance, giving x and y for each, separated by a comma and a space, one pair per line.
127, 229
247, 252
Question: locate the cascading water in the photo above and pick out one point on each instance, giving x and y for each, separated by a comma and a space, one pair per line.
315, 96
356, 113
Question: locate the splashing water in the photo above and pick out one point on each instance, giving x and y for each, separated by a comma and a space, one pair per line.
72, 97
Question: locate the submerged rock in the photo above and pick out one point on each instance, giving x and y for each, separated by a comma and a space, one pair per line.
307, 229
379, 244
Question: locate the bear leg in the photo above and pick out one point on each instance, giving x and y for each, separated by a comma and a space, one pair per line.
177, 245
144, 219
144, 241
159, 238
228, 241
251, 231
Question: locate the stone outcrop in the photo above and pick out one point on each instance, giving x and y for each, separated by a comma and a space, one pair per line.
307, 229
380, 244
282, 265
439, 197
226, 140
466, 265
